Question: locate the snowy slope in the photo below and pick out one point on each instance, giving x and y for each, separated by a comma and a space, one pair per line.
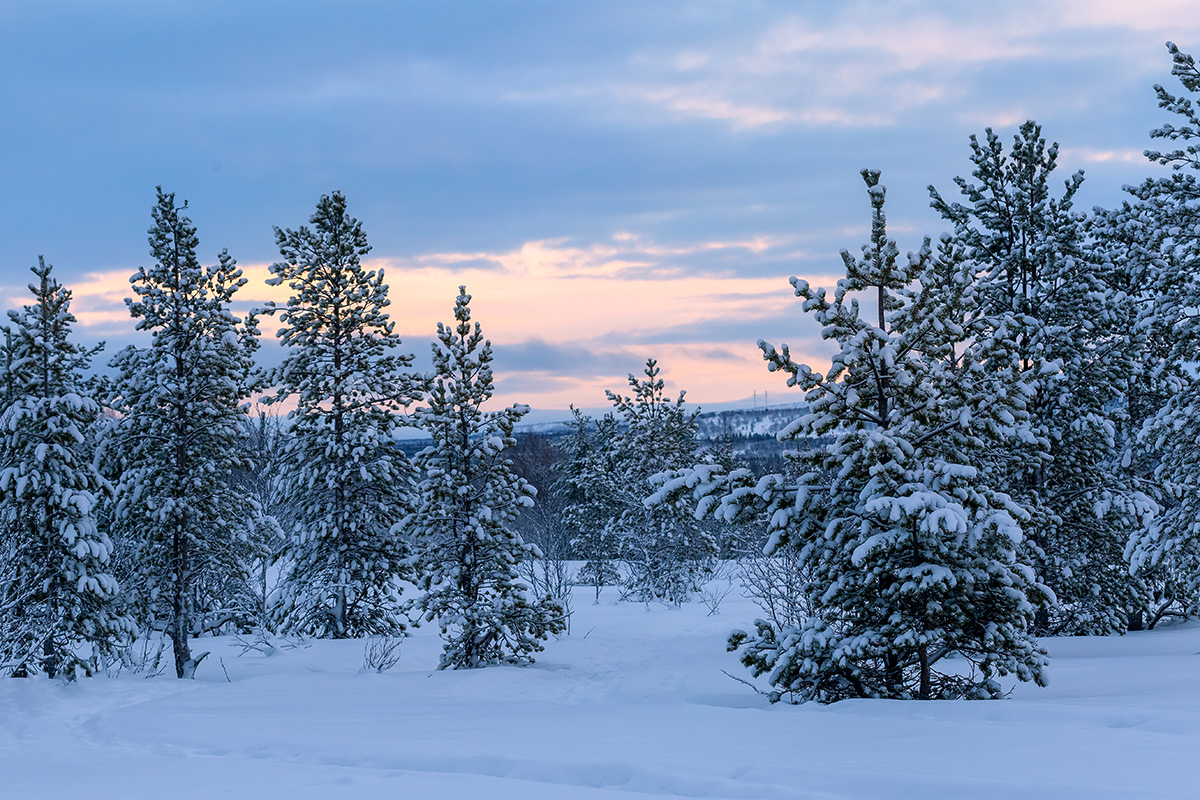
634, 703
748, 423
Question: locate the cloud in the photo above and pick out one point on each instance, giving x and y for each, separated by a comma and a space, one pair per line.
865, 66
623, 256
860, 65
713, 354
565, 360
712, 103
604, 177
1146, 15
1090, 155
97, 300
568, 319
789, 324
525, 384
452, 262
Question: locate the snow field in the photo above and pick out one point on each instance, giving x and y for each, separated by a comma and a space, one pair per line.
633, 703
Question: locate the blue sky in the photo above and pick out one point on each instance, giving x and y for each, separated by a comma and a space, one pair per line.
611, 180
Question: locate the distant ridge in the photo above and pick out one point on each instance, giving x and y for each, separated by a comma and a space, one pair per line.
736, 424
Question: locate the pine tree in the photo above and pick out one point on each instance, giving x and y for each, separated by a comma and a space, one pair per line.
261, 448
589, 484
344, 482
908, 554
1165, 224
56, 593
668, 553
177, 441
8, 379
1038, 284
468, 555
1143, 266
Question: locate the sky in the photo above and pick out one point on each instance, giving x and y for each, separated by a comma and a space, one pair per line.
611, 180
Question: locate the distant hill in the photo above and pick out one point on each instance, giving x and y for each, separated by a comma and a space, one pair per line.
737, 424
749, 433
747, 423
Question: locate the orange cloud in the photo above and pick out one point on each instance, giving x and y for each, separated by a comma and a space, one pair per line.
600, 296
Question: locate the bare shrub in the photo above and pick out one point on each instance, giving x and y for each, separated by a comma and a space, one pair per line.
381, 653
146, 657
776, 583
550, 575
718, 587
265, 643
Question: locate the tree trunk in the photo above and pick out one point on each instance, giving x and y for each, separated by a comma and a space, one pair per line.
180, 608
1137, 622
49, 657
926, 689
893, 676
264, 594
339, 613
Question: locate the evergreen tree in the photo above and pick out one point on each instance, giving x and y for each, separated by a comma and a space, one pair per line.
908, 555
344, 483
56, 593
1144, 269
468, 500
589, 484
178, 437
1165, 223
8, 379
261, 448
1039, 285
667, 551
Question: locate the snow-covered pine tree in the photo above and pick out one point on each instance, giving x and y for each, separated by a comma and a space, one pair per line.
1038, 284
178, 438
1143, 268
264, 440
7, 377
344, 482
909, 555
56, 591
589, 485
1166, 222
468, 552
667, 551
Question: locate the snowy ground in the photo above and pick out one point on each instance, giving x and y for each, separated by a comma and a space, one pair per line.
634, 703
